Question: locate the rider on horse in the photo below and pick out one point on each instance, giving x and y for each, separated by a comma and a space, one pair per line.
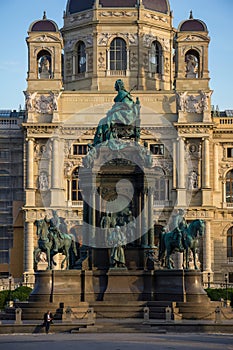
55, 233
179, 227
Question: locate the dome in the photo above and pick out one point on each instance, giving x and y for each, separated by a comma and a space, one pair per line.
192, 25
44, 25
75, 6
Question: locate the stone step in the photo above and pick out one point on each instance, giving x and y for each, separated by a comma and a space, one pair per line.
106, 309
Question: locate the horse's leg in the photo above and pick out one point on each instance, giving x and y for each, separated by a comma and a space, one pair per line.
48, 259
168, 258
66, 258
187, 258
36, 251
194, 258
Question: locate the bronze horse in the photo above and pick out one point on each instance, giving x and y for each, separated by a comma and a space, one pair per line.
169, 244
45, 244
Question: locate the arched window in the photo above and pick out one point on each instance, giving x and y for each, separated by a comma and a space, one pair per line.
156, 58
229, 187
160, 185
118, 54
44, 65
230, 243
81, 56
76, 194
192, 64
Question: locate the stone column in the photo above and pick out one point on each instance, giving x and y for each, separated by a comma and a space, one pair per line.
55, 164
206, 164
207, 248
28, 247
216, 166
30, 160
181, 170
224, 194
144, 240
181, 190
174, 165
150, 219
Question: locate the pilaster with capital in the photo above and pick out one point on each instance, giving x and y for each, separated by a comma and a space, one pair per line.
175, 164
55, 163
28, 247
216, 166
30, 165
180, 162
206, 164
207, 248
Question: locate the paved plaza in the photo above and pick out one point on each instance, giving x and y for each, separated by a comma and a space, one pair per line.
139, 341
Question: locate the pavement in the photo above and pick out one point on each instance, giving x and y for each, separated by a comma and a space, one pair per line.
116, 341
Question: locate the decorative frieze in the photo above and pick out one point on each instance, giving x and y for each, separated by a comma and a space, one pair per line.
149, 38
155, 17
118, 14
105, 38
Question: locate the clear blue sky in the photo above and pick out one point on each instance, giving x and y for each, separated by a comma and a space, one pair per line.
16, 16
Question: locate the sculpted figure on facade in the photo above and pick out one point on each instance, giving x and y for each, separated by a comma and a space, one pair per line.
117, 242
182, 100
29, 100
43, 181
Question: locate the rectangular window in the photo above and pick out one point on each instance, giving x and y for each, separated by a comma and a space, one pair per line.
4, 257
79, 150
4, 154
157, 149
230, 152
230, 277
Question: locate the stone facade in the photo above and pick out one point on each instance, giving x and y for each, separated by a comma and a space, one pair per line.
168, 71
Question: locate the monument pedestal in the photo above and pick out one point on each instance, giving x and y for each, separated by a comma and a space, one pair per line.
56, 286
179, 285
169, 285
118, 285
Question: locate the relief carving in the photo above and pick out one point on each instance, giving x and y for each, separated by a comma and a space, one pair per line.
155, 17
149, 38
193, 103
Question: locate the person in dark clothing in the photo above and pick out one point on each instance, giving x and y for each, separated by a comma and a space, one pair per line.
48, 318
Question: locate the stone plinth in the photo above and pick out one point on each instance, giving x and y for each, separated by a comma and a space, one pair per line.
119, 286
179, 285
57, 287
169, 285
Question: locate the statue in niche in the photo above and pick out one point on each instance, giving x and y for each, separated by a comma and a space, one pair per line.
193, 180
191, 66
121, 120
117, 241
43, 181
44, 67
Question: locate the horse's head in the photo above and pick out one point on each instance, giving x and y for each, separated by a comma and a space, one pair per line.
42, 229
197, 227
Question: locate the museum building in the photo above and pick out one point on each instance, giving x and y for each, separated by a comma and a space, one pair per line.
70, 87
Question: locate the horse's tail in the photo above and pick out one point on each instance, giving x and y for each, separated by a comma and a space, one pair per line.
161, 245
